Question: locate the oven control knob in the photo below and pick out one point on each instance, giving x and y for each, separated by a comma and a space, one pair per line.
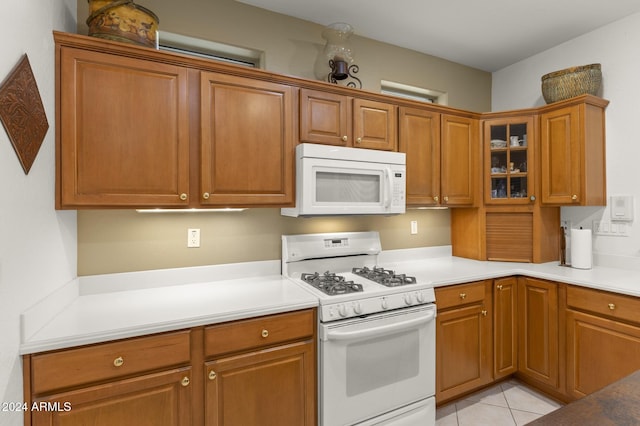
384, 304
342, 310
357, 308
420, 297
408, 299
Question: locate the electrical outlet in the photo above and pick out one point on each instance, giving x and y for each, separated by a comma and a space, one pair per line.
193, 237
414, 227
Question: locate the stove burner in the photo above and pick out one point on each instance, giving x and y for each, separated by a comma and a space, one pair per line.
331, 283
383, 276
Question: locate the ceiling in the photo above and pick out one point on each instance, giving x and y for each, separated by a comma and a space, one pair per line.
488, 34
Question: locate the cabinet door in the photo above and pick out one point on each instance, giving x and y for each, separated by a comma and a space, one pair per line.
123, 132
538, 330
509, 164
460, 150
560, 156
161, 399
270, 387
325, 118
599, 352
419, 138
247, 148
505, 326
375, 125
463, 340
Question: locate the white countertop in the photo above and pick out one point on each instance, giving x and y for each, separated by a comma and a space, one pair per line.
115, 306
99, 317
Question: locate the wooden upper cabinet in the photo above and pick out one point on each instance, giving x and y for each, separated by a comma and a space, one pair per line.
419, 138
572, 147
334, 119
325, 118
123, 136
375, 125
247, 145
460, 154
509, 163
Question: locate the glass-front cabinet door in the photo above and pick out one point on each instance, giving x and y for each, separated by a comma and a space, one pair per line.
508, 161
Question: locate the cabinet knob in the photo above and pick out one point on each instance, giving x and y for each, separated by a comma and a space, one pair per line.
484, 312
446, 199
212, 375
358, 140
345, 138
118, 361
183, 196
436, 198
612, 306
206, 196
532, 198
463, 296
499, 286
265, 333
185, 381
574, 197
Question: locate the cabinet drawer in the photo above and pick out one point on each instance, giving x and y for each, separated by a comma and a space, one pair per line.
614, 305
461, 294
73, 367
253, 333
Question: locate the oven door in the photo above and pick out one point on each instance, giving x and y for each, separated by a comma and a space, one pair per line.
373, 366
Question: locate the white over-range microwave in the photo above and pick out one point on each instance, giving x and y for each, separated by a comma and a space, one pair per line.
334, 180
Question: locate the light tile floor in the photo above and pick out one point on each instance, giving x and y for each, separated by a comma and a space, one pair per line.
508, 403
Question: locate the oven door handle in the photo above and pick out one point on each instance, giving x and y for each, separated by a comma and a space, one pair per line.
382, 330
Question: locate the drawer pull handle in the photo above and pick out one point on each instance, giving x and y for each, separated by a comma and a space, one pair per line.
265, 333
345, 138
206, 195
612, 306
183, 196
359, 140
212, 375
499, 287
574, 197
185, 381
484, 313
463, 296
118, 361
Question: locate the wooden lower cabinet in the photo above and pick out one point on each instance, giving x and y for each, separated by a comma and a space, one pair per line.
603, 342
538, 347
505, 327
259, 371
274, 387
161, 399
463, 339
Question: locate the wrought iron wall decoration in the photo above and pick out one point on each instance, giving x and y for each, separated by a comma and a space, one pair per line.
339, 53
22, 113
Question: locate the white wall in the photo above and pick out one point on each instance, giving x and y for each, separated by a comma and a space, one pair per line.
37, 243
615, 46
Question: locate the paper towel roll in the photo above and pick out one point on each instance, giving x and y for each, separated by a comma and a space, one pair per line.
581, 252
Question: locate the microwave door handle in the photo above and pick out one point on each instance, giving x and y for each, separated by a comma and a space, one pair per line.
387, 188
382, 330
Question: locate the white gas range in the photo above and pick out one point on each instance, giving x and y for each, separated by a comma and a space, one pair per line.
376, 331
